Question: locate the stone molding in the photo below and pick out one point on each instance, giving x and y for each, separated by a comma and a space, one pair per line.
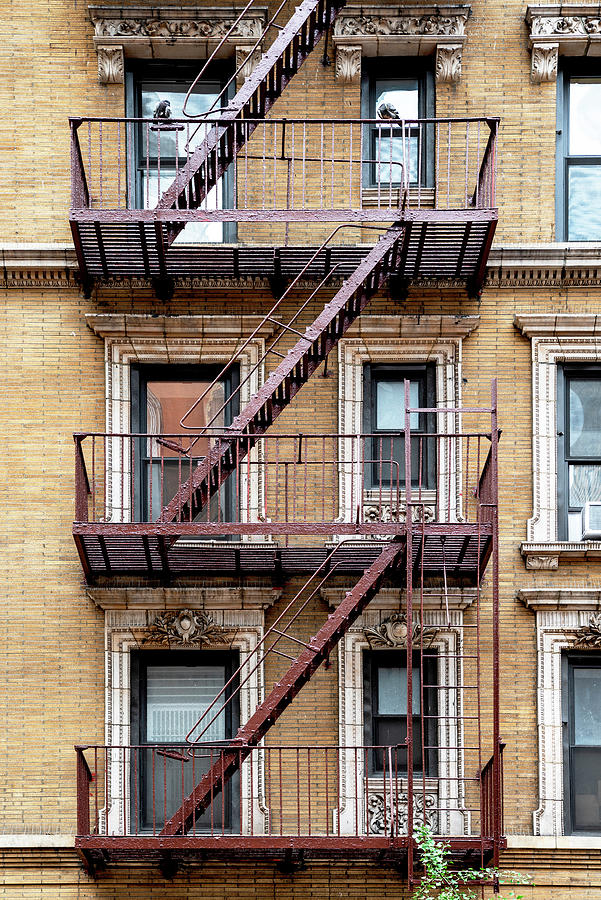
124, 631
400, 31
172, 32
549, 554
447, 789
134, 326
403, 339
393, 599
561, 29
555, 338
163, 598
559, 625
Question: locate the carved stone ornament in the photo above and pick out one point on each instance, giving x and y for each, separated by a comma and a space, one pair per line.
589, 635
392, 632
378, 22
111, 66
542, 563
448, 63
545, 58
552, 34
246, 62
381, 821
348, 63
186, 627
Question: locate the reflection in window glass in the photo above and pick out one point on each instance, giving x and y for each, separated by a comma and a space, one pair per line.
392, 691
587, 708
401, 93
394, 145
585, 417
584, 203
390, 405
584, 484
177, 696
585, 117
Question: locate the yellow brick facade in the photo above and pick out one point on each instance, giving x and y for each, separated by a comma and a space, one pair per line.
52, 662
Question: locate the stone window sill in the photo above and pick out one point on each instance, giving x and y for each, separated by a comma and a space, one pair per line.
548, 555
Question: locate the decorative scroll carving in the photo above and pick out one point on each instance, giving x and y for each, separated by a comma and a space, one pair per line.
542, 563
544, 62
392, 632
348, 63
380, 818
111, 67
200, 24
448, 63
186, 627
246, 62
348, 23
388, 513
553, 34
589, 635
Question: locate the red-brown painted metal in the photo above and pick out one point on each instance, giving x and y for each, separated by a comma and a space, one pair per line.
265, 84
301, 670
290, 375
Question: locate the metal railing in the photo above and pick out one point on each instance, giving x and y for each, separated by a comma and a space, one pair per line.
324, 483
323, 792
287, 169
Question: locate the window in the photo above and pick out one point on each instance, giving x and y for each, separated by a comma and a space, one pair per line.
579, 445
170, 691
384, 418
407, 86
158, 150
582, 741
385, 709
579, 156
161, 396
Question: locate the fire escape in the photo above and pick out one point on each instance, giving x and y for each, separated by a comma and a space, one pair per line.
297, 500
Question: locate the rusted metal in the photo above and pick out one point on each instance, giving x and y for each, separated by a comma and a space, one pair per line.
286, 689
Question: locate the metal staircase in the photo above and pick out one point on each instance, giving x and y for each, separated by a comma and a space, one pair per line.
261, 89
291, 374
316, 651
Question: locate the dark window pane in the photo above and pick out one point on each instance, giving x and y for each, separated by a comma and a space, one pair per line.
584, 203
585, 117
586, 787
587, 706
585, 417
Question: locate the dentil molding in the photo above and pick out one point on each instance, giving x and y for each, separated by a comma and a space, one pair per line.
173, 32
566, 29
400, 31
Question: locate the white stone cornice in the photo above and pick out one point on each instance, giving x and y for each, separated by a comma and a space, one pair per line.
393, 598
539, 325
568, 29
401, 31
562, 598
414, 327
170, 32
217, 597
116, 327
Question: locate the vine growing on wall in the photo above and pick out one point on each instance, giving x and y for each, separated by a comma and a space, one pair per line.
440, 882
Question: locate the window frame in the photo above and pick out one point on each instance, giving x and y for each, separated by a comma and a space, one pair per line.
403, 67
372, 661
565, 372
139, 662
569, 661
175, 73
140, 375
584, 68
427, 422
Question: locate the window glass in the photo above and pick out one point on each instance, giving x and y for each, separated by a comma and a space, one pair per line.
585, 417
584, 203
390, 404
585, 116
584, 484
168, 401
177, 696
402, 93
175, 142
392, 691
587, 706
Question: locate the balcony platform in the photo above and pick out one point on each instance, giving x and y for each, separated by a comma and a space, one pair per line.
144, 551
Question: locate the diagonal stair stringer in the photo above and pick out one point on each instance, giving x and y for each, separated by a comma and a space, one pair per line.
299, 673
260, 90
290, 375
